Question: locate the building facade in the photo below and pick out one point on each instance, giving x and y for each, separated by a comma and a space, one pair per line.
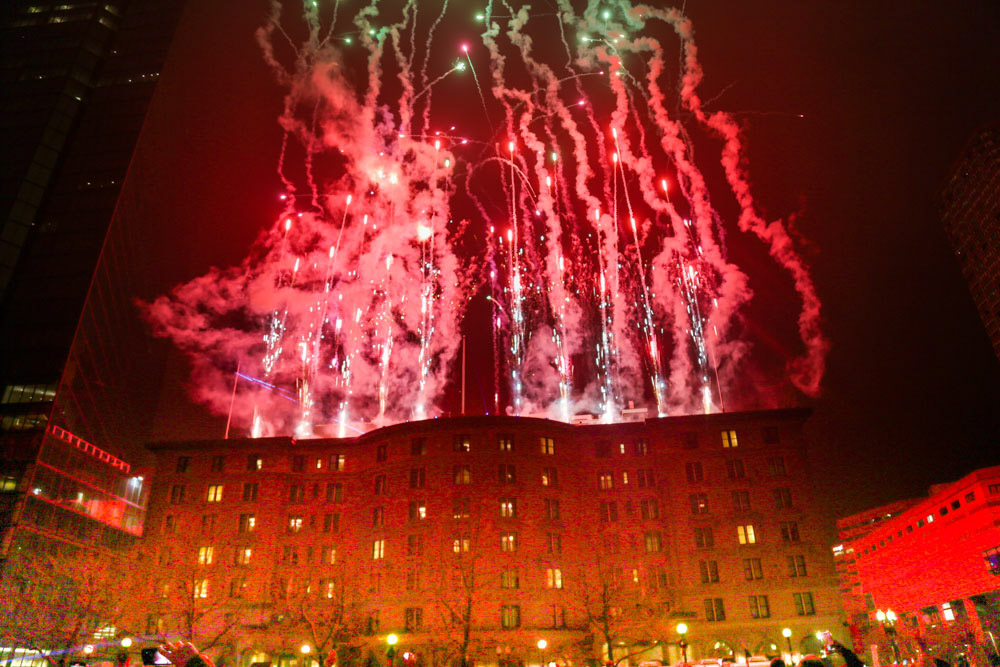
970, 211
480, 536
935, 564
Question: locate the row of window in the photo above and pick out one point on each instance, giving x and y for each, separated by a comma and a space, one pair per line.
759, 606
708, 570
704, 536
942, 512
782, 498
506, 475
463, 443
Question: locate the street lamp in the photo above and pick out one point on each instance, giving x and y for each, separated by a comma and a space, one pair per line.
787, 634
126, 642
88, 649
682, 629
391, 653
888, 620
541, 651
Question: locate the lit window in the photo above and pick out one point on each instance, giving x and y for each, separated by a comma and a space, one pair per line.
460, 508
418, 510
550, 477
699, 503
206, 555
947, 612
337, 462
294, 524
654, 542
746, 534
729, 439
201, 588
506, 442
548, 445
510, 616
605, 481
215, 493
508, 508
248, 522
378, 549
461, 544
462, 443
553, 578
243, 555
255, 462
462, 474
508, 542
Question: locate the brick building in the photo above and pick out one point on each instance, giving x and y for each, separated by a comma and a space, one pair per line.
482, 535
935, 564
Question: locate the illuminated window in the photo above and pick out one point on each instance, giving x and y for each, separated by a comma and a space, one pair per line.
510, 616
255, 462
789, 531
462, 474
548, 445
506, 442
248, 522
509, 578
654, 542
461, 544
327, 588
796, 566
699, 503
418, 446
201, 588
650, 509
337, 462
703, 537
206, 555
378, 549
462, 442
759, 607
250, 491
508, 508
709, 571
331, 523
418, 478
506, 474
215, 493
804, 604
294, 524
508, 542
641, 447
752, 569
334, 492
694, 472
746, 534
550, 477
243, 555
8, 483
930, 518
947, 612
729, 439
460, 508
329, 555
714, 610
553, 578
418, 510
605, 481
734, 469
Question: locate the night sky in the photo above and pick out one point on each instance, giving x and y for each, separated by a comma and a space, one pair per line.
853, 115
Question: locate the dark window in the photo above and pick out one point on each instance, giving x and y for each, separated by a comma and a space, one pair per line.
217, 463
298, 463
296, 493
703, 537
414, 545
182, 463
796, 566
709, 571
378, 517
555, 543
334, 492
759, 608
418, 446
510, 616
414, 619
777, 466
460, 508
646, 479
382, 452
551, 509
734, 469
789, 531
331, 523
699, 503
714, 610
381, 485
690, 440
177, 493
653, 542
783, 498
741, 501
250, 491
694, 472
609, 512
752, 569
770, 434
418, 478
650, 509
603, 449
641, 447
507, 474
804, 604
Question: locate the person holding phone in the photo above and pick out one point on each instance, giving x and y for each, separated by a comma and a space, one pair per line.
181, 654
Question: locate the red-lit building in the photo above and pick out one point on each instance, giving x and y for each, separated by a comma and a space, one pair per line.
480, 536
935, 563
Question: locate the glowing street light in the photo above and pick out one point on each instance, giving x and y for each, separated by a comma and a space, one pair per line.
391, 640
542, 644
305, 649
888, 620
126, 642
787, 633
391, 653
88, 649
682, 629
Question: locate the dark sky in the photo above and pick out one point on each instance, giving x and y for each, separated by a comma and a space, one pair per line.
889, 93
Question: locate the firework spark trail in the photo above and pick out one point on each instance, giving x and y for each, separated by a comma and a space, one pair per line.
358, 305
